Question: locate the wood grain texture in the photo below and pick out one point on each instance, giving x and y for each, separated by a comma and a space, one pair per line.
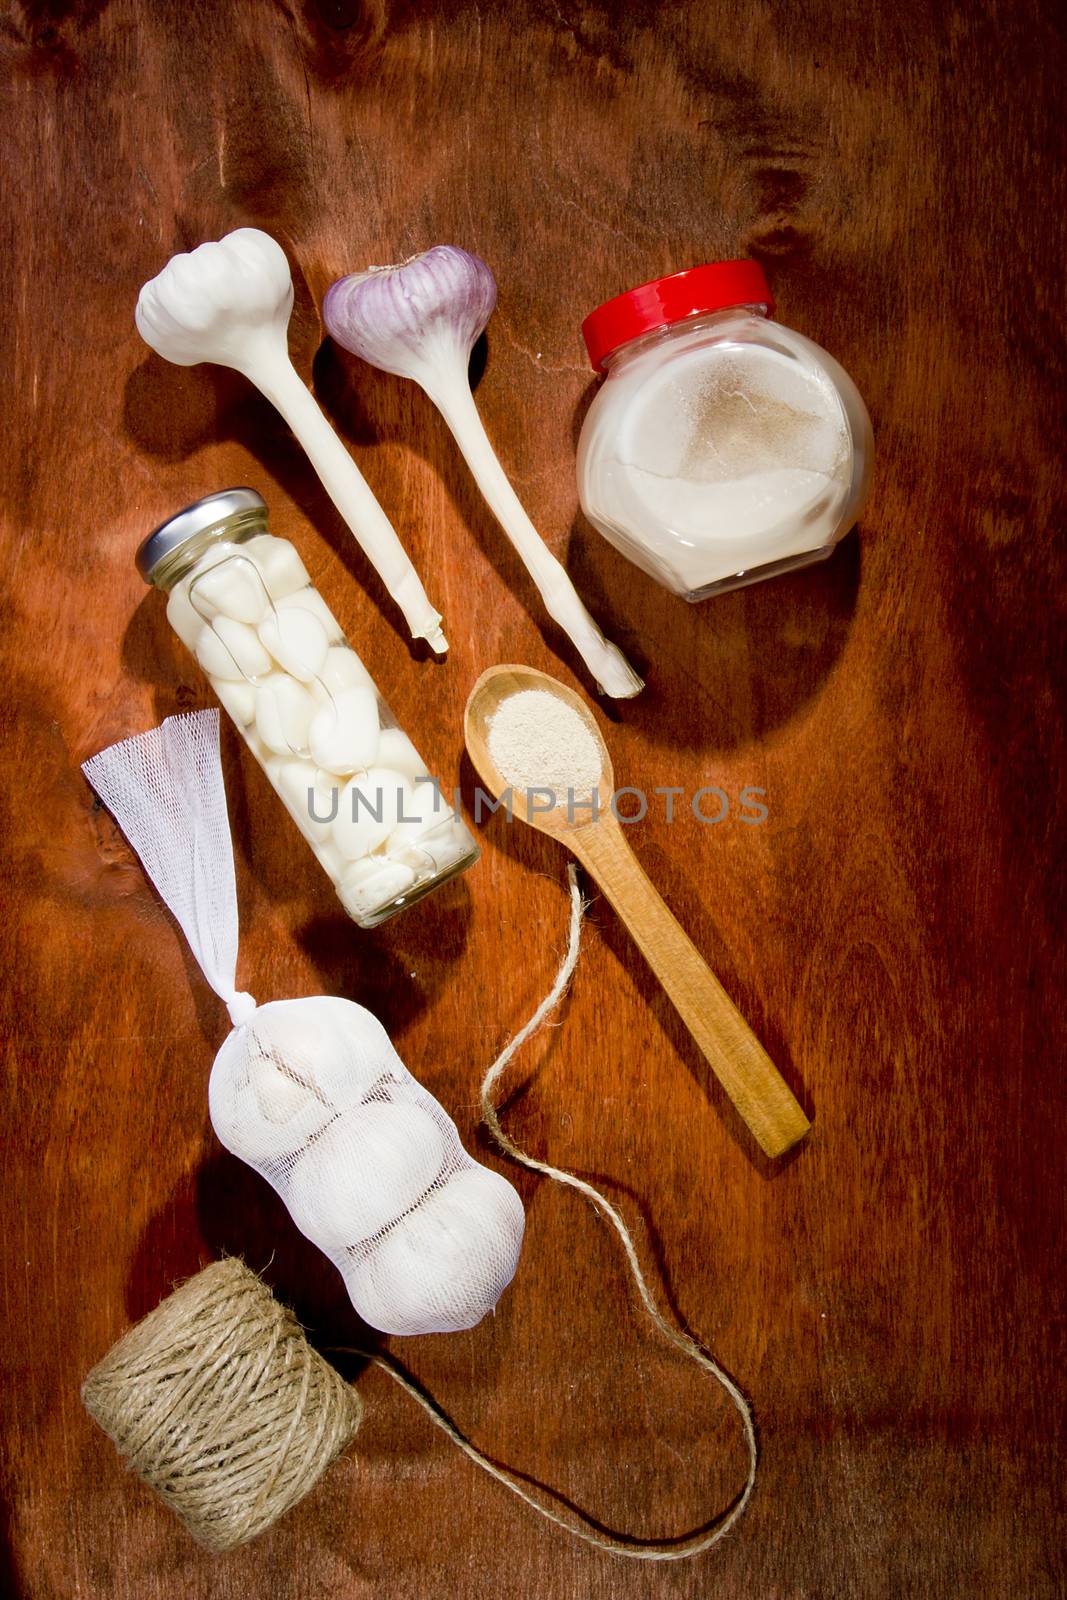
889, 1296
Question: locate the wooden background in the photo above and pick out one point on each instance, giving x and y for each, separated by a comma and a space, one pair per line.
890, 1298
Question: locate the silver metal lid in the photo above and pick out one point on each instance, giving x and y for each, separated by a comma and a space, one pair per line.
195, 519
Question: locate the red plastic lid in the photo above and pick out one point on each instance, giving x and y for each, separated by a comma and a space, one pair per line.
665, 300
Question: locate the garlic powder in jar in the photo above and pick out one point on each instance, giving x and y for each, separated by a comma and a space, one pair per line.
722, 448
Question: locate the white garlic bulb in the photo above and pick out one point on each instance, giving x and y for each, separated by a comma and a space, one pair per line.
229, 301
339, 1048
447, 1263
259, 1111
370, 1166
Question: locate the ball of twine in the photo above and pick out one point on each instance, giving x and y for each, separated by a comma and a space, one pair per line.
219, 1403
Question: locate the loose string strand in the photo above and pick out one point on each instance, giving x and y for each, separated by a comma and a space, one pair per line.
644, 1550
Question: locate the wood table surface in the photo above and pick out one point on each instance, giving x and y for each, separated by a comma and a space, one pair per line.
891, 1296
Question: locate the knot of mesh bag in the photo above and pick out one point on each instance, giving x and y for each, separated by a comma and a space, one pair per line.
312, 1094
241, 1006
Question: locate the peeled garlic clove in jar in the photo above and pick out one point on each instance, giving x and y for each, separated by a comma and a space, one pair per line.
311, 601
183, 616
367, 1169
446, 1264
311, 796
342, 669
397, 752
284, 713
329, 858
370, 807
437, 848
344, 733
312, 652
435, 837
375, 881
296, 638
426, 810
231, 588
231, 650
238, 697
283, 571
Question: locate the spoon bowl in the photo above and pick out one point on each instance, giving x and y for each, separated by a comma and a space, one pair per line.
593, 834
486, 698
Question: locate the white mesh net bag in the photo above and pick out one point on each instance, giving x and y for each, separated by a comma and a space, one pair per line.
311, 1092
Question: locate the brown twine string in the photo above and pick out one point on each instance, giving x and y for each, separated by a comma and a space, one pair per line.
218, 1401
640, 1550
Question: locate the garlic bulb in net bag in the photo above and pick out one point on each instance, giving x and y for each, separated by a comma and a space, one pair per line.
311, 1092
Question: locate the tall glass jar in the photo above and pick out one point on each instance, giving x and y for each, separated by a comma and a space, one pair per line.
352, 781
722, 447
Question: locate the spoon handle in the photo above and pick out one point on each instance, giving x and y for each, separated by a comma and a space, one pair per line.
745, 1070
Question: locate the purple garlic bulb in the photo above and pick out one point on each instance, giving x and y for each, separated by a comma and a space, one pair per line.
417, 319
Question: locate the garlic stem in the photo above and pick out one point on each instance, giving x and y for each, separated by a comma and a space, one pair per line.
346, 486
613, 673
229, 301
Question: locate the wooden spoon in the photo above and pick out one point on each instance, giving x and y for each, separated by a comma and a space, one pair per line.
735, 1055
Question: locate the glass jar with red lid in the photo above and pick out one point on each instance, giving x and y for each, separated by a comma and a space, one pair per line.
722, 447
